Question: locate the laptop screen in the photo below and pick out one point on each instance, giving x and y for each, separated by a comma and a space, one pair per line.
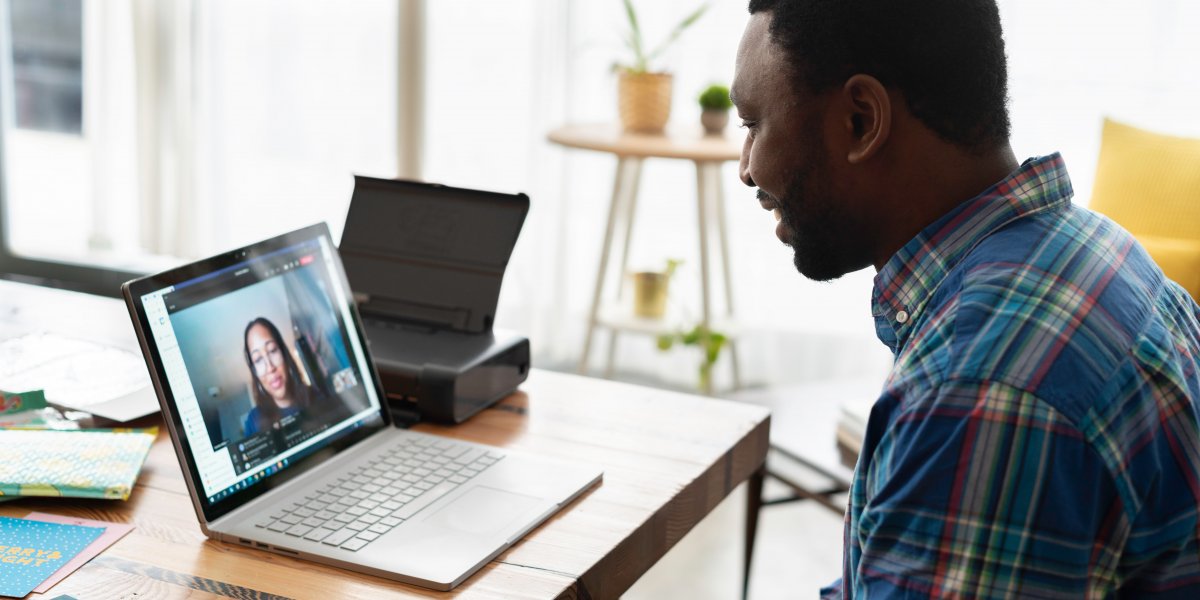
263, 361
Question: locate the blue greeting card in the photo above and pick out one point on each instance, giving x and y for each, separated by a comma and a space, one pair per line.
31, 551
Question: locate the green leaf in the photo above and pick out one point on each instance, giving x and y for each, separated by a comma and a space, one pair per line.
635, 37
715, 97
665, 341
713, 351
672, 264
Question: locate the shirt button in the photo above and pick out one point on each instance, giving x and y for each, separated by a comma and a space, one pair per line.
902, 317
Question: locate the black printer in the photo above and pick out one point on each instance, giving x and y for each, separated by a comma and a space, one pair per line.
425, 262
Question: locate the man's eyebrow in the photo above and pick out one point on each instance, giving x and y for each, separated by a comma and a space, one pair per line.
732, 96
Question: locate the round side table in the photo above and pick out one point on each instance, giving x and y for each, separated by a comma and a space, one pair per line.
708, 153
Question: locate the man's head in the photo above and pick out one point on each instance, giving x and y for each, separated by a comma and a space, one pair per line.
841, 98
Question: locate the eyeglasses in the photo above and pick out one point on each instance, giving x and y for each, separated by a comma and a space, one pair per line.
272, 353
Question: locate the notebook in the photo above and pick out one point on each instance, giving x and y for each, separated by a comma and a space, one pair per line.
82, 464
280, 425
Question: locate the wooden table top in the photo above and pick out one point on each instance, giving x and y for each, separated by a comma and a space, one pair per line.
686, 143
668, 460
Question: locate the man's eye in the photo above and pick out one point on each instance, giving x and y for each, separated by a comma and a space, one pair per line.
750, 126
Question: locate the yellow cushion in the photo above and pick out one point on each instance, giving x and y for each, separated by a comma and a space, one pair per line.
1178, 258
1149, 183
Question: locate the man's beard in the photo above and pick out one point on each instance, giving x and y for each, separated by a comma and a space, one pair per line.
815, 231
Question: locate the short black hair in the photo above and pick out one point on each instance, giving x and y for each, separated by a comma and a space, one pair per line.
945, 56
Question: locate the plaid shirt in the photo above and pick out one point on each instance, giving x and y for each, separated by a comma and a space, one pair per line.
1038, 436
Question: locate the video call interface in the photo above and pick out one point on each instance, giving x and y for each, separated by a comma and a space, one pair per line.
268, 359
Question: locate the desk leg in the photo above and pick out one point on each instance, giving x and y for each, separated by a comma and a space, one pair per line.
623, 164
754, 490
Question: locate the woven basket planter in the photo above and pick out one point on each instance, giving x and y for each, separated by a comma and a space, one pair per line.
644, 101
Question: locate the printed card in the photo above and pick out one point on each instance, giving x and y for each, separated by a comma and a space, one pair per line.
31, 551
112, 533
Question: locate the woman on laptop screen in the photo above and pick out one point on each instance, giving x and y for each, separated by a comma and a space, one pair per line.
279, 392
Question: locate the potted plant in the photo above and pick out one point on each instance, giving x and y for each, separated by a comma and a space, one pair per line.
709, 341
650, 290
643, 95
714, 106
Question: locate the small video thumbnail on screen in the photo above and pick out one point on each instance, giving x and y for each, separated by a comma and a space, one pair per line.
269, 363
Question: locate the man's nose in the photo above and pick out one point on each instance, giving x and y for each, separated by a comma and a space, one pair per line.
744, 164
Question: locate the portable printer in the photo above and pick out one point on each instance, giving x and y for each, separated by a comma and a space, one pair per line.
425, 262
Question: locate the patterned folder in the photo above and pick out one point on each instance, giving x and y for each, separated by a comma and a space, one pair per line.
84, 464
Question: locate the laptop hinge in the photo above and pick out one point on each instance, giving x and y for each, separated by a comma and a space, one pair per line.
404, 410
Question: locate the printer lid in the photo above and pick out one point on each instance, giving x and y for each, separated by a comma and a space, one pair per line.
429, 253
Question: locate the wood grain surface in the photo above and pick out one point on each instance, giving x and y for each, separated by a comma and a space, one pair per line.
668, 460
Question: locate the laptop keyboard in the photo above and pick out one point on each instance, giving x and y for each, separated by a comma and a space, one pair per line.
360, 507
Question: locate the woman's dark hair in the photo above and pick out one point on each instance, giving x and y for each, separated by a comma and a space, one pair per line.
268, 411
945, 56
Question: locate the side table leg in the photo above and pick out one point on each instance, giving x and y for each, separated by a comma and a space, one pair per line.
702, 217
629, 210
631, 199
754, 489
718, 196
613, 208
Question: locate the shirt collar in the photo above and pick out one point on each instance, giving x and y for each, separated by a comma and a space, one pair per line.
908, 280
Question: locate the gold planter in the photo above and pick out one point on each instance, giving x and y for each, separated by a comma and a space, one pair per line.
644, 101
650, 294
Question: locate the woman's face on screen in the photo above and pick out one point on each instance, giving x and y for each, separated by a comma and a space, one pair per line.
267, 357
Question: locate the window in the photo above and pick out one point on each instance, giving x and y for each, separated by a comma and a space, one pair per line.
139, 134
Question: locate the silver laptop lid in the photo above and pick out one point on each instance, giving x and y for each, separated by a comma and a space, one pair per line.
260, 363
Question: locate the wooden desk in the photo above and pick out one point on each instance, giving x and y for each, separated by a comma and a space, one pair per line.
668, 460
708, 153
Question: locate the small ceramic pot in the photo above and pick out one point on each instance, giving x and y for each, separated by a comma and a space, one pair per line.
714, 120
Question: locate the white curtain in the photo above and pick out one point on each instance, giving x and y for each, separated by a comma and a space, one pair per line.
292, 99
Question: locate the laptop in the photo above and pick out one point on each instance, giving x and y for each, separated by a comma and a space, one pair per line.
281, 428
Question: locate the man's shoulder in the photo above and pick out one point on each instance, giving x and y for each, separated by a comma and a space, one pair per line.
1051, 304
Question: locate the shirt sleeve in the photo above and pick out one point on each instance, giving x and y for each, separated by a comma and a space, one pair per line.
832, 591
981, 490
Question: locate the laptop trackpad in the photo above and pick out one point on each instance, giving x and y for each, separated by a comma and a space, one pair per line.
483, 511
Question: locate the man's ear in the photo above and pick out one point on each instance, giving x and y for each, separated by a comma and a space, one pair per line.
868, 118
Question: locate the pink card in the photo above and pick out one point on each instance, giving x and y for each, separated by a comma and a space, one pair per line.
112, 533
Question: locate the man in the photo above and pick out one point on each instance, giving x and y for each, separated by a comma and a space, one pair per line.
1038, 435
